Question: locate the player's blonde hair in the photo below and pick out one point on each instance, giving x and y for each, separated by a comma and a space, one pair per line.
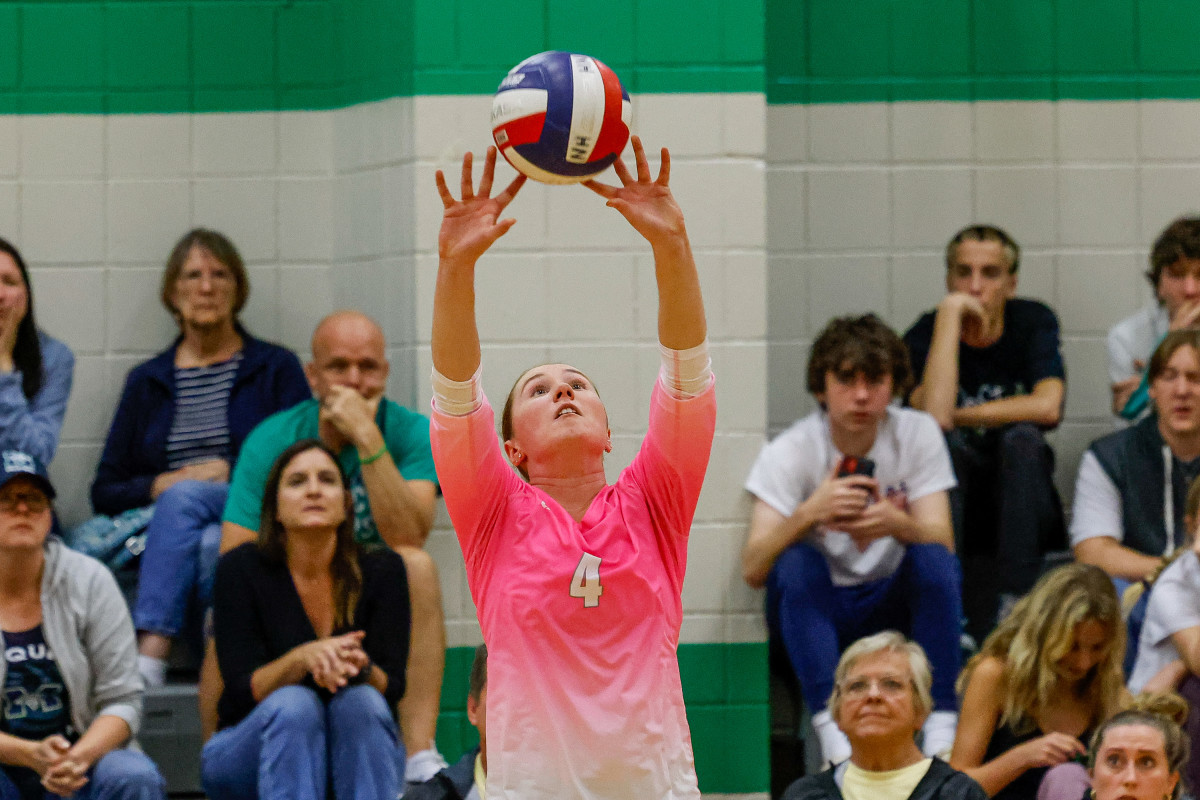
1040, 632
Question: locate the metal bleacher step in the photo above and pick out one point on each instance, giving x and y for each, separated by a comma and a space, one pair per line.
171, 736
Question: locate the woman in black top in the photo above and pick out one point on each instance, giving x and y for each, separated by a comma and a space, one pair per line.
312, 638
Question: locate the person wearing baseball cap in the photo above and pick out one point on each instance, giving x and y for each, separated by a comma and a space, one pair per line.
72, 697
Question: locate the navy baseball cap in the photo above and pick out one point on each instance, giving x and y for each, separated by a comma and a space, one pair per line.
16, 464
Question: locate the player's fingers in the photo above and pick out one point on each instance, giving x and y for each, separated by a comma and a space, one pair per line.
639, 159
664, 168
467, 191
602, 189
623, 171
510, 191
443, 189
489, 172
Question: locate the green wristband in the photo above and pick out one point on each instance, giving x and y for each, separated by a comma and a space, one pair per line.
371, 459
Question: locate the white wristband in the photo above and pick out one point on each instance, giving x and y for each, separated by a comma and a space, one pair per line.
456, 398
686, 373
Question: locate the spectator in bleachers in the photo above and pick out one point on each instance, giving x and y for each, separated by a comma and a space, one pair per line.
1140, 753
989, 368
1131, 493
850, 532
1042, 682
35, 370
179, 426
384, 450
72, 697
1168, 646
881, 697
1175, 275
465, 779
312, 638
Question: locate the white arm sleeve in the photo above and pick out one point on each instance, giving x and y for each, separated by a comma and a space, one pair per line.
457, 398
686, 373
1097, 508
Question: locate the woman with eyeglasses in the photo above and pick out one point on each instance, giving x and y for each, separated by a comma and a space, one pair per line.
180, 424
1042, 682
72, 698
881, 698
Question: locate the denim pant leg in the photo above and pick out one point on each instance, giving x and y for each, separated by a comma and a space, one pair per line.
278, 752
801, 594
171, 560
929, 584
124, 775
1030, 519
8, 788
365, 754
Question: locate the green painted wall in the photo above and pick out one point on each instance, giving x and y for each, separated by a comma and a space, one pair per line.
133, 56
823, 51
724, 686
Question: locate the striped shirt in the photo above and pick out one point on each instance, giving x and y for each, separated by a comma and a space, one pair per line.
200, 429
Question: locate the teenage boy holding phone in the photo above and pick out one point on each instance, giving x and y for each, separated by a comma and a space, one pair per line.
851, 532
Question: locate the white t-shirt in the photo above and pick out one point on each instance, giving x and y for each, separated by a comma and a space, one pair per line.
1134, 339
1174, 606
1097, 507
911, 461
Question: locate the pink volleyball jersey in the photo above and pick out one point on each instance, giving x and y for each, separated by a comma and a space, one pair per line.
581, 619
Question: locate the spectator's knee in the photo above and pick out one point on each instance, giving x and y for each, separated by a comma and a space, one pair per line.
132, 771
1023, 440
935, 569
800, 566
359, 703
295, 709
192, 498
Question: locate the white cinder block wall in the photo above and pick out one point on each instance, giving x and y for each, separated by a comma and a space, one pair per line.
334, 209
861, 199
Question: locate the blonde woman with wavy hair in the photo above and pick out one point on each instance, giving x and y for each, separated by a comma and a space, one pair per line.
1043, 680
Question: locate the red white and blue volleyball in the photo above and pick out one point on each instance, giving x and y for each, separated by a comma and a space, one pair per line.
561, 117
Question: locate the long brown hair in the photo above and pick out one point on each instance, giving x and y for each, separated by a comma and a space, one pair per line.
272, 538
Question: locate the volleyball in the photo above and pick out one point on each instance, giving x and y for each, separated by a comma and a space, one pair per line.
561, 117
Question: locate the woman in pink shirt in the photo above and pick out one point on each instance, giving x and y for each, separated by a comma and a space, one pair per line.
577, 582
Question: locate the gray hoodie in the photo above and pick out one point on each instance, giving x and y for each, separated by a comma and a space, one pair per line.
87, 626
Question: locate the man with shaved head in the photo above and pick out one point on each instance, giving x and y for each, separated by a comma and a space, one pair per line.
384, 450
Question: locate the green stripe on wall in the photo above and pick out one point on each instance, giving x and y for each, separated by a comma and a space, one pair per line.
724, 686
833, 51
141, 56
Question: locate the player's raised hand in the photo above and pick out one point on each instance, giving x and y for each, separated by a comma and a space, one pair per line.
645, 201
472, 224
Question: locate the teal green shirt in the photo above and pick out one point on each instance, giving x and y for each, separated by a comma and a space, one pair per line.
405, 432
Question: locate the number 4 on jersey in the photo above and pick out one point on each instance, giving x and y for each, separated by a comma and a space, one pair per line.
585, 582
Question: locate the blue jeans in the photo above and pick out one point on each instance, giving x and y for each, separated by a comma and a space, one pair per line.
285, 748
818, 620
118, 775
183, 540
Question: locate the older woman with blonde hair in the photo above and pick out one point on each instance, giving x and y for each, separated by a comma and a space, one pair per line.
881, 698
1042, 682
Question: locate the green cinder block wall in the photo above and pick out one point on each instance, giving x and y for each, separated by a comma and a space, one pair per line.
156, 56
830, 51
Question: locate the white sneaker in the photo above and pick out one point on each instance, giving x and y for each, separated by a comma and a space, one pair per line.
153, 671
835, 747
424, 765
938, 734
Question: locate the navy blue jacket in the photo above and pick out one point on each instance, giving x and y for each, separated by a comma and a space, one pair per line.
269, 379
